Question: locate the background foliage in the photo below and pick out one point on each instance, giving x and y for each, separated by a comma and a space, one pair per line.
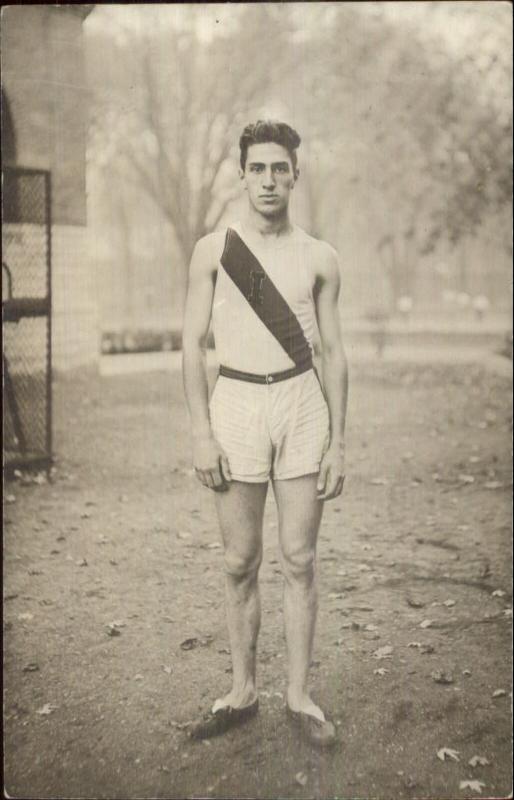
406, 120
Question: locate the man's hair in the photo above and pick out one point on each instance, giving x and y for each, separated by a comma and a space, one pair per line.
269, 130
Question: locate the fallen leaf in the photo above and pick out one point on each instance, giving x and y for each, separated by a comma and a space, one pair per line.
364, 567
476, 786
167, 670
379, 482
301, 778
82, 563
466, 478
478, 761
380, 671
195, 641
466, 672
183, 535
426, 623
427, 648
449, 603
26, 616
31, 667
35, 572
447, 752
493, 485
370, 627
413, 602
499, 693
189, 644
46, 709
179, 725
138, 677
383, 652
10, 498
213, 546
441, 677
498, 593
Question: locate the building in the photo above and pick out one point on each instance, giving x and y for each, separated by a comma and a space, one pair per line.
44, 126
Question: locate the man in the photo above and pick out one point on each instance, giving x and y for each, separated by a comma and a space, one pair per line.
266, 283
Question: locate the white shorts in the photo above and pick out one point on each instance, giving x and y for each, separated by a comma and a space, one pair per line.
278, 430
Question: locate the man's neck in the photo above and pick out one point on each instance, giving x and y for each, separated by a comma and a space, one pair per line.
268, 226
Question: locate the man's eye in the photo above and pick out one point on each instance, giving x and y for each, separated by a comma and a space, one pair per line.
282, 168
255, 168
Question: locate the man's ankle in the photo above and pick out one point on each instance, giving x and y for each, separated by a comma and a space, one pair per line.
237, 698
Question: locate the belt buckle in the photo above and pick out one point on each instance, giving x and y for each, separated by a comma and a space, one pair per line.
269, 378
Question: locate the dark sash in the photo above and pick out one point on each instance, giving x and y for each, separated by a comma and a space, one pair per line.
256, 286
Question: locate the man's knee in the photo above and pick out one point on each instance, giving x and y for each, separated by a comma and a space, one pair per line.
299, 564
241, 567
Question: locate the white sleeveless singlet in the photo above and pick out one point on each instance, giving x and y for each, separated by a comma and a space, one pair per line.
242, 340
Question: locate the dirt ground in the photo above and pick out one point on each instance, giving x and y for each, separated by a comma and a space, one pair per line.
115, 564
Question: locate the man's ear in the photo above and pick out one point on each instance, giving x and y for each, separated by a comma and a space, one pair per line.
241, 174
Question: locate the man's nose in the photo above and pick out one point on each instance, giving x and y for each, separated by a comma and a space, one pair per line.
268, 179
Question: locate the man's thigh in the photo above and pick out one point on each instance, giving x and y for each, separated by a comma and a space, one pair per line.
240, 513
299, 513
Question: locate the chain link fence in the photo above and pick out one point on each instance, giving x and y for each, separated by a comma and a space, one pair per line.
26, 306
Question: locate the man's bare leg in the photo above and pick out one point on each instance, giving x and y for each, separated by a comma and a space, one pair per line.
299, 519
240, 513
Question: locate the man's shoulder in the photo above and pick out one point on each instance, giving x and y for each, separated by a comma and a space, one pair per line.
208, 250
212, 241
324, 253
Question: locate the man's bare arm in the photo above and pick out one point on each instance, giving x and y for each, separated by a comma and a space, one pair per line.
335, 376
209, 460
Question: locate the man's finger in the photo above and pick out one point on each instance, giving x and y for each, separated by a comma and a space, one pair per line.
225, 469
217, 477
331, 489
208, 479
322, 478
338, 489
201, 476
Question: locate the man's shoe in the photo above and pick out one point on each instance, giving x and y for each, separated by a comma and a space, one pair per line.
318, 733
214, 724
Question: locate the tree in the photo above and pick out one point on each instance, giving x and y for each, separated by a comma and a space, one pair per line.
189, 96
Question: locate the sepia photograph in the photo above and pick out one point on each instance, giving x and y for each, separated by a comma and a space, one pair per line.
257, 392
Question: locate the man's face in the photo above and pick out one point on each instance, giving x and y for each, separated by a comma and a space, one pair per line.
269, 178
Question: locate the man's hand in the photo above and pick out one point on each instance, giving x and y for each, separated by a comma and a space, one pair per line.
211, 463
331, 473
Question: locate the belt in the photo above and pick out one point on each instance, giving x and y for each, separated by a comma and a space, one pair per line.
271, 377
